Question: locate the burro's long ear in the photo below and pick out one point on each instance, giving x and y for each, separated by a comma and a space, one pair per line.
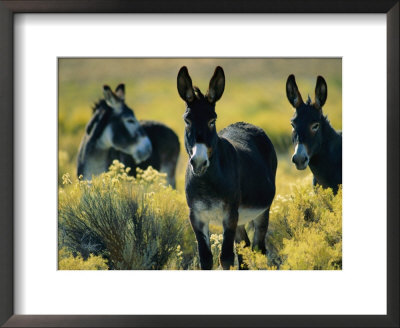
184, 84
217, 85
292, 92
120, 91
321, 92
111, 99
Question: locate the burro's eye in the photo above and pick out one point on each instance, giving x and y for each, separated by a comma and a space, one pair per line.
187, 122
314, 127
130, 121
211, 123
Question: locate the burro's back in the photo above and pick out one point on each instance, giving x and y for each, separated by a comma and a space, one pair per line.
257, 160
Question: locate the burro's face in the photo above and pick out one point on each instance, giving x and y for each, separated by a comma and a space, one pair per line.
124, 132
200, 132
129, 137
306, 135
200, 135
307, 122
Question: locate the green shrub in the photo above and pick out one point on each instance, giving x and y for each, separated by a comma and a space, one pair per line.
133, 223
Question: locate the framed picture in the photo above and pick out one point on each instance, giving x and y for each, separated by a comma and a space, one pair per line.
58, 57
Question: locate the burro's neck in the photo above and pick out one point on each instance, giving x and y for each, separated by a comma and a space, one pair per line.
325, 164
95, 163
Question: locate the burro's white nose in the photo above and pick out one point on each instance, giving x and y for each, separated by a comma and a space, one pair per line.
199, 161
142, 150
300, 157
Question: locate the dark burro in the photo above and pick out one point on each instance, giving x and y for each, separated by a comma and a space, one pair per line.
317, 144
114, 133
230, 176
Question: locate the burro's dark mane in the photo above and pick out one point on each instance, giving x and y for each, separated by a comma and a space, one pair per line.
197, 92
93, 131
101, 103
97, 124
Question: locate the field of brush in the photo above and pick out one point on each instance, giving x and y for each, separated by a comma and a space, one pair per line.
99, 229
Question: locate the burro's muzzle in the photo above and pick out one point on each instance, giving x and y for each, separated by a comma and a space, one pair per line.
142, 150
199, 161
300, 157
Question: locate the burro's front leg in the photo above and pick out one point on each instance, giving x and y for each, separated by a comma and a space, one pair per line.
229, 224
260, 231
201, 231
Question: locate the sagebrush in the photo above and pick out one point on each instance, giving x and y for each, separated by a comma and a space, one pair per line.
141, 223
134, 223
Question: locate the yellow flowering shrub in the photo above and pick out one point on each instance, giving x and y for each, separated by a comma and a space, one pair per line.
305, 231
253, 260
134, 223
141, 223
175, 261
216, 246
66, 261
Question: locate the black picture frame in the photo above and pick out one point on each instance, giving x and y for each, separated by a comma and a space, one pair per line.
7, 10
